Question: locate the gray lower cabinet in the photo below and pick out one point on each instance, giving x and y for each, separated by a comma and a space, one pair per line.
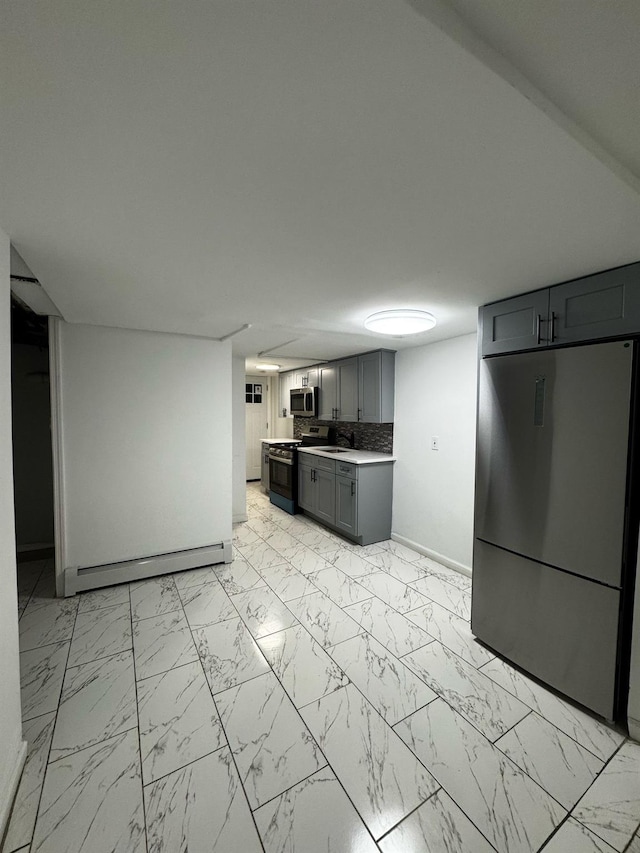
603, 305
347, 504
354, 500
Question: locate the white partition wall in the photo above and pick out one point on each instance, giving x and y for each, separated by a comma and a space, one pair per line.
12, 748
143, 450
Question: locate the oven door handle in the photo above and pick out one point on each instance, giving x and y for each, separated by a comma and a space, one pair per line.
281, 461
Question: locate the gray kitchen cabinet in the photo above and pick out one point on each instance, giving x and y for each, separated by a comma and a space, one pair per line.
338, 383
347, 402
603, 305
286, 384
316, 487
354, 500
328, 385
376, 387
347, 504
264, 469
515, 324
306, 378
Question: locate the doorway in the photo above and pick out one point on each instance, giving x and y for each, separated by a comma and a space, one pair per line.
31, 422
256, 422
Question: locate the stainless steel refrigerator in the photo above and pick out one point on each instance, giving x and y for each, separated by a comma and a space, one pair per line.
554, 550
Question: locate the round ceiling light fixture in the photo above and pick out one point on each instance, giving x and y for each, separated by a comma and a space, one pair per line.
400, 321
267, 366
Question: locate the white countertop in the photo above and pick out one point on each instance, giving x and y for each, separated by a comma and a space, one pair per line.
280, 440
354, 457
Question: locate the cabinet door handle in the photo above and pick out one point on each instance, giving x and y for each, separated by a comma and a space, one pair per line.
359, 410
353, 488
284, 413
538, 324
552, 327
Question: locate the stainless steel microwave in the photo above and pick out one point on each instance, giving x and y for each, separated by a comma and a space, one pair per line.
303, 402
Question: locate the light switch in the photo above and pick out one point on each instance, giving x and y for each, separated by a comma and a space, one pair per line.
435, 442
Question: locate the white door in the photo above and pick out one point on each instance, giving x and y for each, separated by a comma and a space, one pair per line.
256, 421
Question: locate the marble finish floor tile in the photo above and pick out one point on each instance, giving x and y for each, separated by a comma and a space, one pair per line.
392, 629
287, 582
340, 588
260, 555
207, 604
395, 566
190, 578
38, 734
280, 540
611, 807
489, 707
47, 621
437, 826
272, 748
28, 575
555, 761
573, 837
101, 633
200, 808
92, 801
304, 668
402, 551
262, 611
314, 816
452, 631
153, 597
456, 600
324, 620
108, 596
451, 576
161, 643
41, 677
238, 576
508, 807
390, 686
598, 738
178, 720
244, 534
98, 701
383, 779
229, 654
392, 591
318, 539
305, 560
350, 562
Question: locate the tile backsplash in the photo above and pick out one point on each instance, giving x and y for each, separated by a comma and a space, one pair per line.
378, 437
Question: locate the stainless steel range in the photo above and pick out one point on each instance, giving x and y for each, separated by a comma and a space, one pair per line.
283, 466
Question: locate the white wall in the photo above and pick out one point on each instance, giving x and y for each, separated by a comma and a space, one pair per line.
433, 490
145, 437
239, 442
11, 745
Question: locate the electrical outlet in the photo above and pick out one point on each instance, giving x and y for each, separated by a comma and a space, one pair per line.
435, 442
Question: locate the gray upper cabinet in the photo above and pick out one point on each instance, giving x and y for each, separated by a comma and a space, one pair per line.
347, 404
376, 382
515, 324
600, 306
328, 384
286, 384
604, 305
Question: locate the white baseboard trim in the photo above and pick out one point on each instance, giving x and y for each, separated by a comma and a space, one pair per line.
8, 796
81, 579
239, 518
434, 555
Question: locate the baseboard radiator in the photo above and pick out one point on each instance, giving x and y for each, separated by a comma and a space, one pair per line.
83, 579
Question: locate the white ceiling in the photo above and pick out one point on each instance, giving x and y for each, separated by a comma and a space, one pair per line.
296, 165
